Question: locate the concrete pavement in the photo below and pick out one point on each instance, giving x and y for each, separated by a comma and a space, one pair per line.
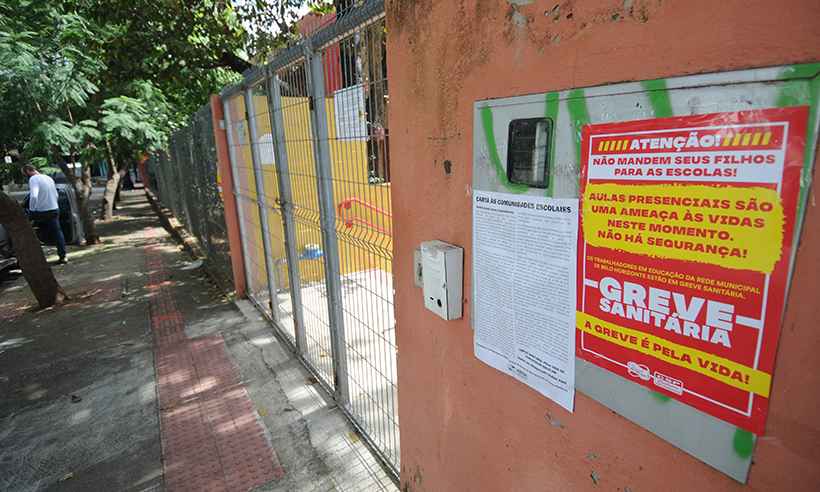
78, 384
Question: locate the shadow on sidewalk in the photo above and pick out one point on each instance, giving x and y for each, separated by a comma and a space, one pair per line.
77, 390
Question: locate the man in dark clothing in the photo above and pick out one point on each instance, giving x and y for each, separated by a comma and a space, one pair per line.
44, 209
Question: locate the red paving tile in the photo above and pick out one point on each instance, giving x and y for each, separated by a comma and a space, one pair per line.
211, 439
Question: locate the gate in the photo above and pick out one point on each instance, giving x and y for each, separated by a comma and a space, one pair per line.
309, 149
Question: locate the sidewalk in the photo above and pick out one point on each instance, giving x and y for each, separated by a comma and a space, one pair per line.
149, 379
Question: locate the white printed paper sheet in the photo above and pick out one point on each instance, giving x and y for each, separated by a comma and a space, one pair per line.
524, 274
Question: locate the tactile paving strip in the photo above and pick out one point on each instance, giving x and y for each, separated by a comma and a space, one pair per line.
211, 439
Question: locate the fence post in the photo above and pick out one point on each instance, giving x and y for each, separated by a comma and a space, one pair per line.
259, 177
327, 210
226, 113
228, 196
280, 153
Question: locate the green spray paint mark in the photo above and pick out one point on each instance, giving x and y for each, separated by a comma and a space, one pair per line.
579, 116
660, 397
802, 86
658, 97
551, 112
744, 443
489, 139
801, 71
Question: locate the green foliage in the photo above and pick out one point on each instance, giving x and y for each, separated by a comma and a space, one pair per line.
321, 7
50, 67
138, 122
78, 75
271, 24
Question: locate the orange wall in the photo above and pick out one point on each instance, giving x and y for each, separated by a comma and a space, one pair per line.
468, 427
225, 181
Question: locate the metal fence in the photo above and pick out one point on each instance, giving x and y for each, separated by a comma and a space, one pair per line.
187, 182
309, 150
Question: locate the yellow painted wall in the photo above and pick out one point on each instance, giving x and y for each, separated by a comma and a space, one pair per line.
252, 231
360, 247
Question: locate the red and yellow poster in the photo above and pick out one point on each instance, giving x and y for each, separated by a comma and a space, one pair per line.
687, 227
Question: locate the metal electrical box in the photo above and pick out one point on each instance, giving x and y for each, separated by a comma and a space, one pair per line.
531, 146
442, 271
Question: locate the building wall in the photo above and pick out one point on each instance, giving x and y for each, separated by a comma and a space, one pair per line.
466, 426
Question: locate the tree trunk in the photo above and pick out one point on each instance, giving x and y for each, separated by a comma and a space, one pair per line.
91, 236
82, 188
110, 194
29, 254
112, 185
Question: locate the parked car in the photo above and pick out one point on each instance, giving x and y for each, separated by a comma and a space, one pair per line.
7, 259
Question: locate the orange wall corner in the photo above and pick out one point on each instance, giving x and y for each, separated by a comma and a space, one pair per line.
228, 198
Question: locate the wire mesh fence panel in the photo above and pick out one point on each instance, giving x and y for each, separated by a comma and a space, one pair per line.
167, 181
158, 180
181, 141
164, 179
185, 178
183, 170
209, 196
179, 208
356, 97
170, 183
197, 181
294, 109
250, 227
260, 118
174, 194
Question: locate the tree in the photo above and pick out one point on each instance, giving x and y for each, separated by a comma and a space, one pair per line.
188, 50
30, 256
271, 25
66, 64
131, 125
50, 64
